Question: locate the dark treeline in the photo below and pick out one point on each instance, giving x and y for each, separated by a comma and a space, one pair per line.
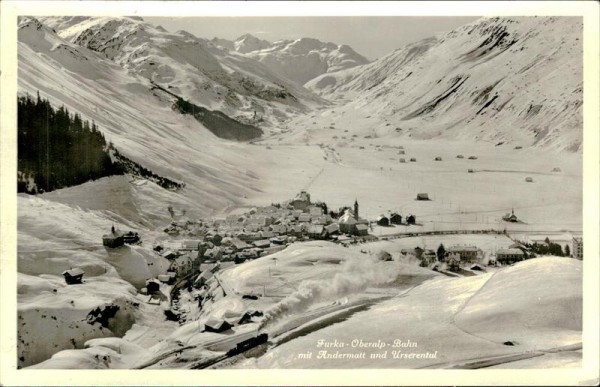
218, 123
548, 248
58, 149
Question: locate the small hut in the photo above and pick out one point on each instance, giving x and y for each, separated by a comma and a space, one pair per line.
411, 219
152, 286
510, 217
402, 160
472, 157
114, 239
315, 231
384, 256
438, 158
422, 196
73, 276
247, 317
412, 159
362, 229
529, 179
383, 221
460, 156
395, 218
216, 325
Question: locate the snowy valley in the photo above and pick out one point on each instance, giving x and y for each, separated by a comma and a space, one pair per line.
237, 267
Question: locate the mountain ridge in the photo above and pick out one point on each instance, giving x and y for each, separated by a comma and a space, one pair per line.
299, 59
503, 80
190, 66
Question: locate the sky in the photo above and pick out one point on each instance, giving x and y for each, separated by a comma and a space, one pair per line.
370, 36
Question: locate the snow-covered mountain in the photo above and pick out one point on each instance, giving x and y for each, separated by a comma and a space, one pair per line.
506, 80
299, 60
187, 66
248, 43
137, 118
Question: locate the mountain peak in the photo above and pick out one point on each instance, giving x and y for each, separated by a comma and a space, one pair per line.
248, 43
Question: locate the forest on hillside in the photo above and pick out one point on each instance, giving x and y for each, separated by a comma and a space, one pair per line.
58, 149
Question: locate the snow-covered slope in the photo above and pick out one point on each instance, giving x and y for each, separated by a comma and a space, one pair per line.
139, 121
187, 66
299, 60
54, 237
459, 320
511, 80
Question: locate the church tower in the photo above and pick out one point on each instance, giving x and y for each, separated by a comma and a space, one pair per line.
356, 209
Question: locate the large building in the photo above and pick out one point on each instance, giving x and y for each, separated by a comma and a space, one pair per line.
350, 220
301, 201
577, 249
509, 255
466, 253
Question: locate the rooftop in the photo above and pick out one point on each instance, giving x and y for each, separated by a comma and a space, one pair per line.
73, 272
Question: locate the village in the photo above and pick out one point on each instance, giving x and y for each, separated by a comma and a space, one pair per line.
197, 249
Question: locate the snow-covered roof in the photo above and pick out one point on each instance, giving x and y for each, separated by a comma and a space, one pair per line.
164, 278
462, 248
214, 323
239, 244
315, 229
304, 217
509, 251
347, 218
332, 228
262, 243
73, 272
205, 275
113, 235
190, 244
303, 196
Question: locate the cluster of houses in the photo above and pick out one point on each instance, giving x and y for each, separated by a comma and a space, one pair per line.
260, 231
454, 257
459, 256
395, 218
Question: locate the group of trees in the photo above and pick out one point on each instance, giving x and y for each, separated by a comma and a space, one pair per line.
58, 149
217, 122
549, 248
136, 169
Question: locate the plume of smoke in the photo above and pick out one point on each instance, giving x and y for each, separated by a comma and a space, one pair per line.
356, 276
